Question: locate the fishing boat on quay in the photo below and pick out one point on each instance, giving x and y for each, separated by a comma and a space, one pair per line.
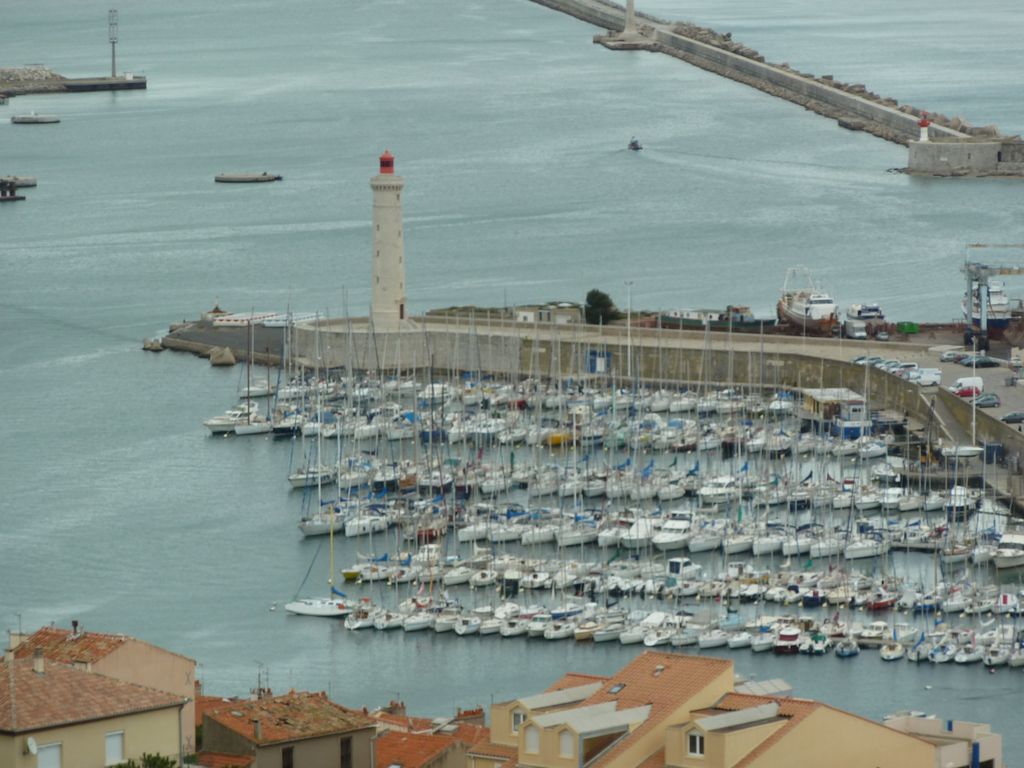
992, 303
805, 306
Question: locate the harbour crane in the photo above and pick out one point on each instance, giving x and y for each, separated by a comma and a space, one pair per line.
978, 275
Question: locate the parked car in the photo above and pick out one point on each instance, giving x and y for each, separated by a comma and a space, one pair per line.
887, 365
987, 362
882, 336
951, 355
870, 360
1013, 417
979, 361
990, 400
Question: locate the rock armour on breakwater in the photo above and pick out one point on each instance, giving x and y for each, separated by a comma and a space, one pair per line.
976, 150
34, 79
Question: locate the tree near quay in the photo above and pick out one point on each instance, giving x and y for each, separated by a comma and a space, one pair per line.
599, 308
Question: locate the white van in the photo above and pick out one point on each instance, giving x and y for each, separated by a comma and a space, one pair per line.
968, 386
926, 377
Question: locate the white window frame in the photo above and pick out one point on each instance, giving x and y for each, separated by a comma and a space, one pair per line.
566, 744
106, 748
518, 718
531, 740
695, 737
51, 745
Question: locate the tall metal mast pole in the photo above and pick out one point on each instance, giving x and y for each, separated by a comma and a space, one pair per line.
112, 21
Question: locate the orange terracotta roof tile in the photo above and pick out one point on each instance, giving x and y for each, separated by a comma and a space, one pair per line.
70, 647
289, 717
662, 680
487, 749
657, 760
467, 733
410, 750
574, 680
223, 760
63, 694
470, 733
206, 704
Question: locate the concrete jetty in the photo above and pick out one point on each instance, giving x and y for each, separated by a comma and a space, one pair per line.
19, 81
952, 146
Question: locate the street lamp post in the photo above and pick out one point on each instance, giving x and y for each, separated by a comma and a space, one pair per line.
974, 400
629, 331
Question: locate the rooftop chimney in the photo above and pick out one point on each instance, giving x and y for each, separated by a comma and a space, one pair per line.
38, 665
257, 730
74, 628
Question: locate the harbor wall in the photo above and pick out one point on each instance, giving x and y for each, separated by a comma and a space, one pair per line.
599, 356
989, 430
822, 95
997, 157
959, 149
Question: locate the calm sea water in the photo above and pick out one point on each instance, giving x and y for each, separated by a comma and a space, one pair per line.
510, 129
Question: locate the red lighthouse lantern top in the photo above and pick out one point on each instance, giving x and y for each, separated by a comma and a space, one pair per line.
924, 122
387, 163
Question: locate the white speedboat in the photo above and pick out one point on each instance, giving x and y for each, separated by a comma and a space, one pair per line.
560, 630
1010, 552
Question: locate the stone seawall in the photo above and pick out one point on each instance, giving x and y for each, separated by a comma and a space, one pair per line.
853, 105
956, 147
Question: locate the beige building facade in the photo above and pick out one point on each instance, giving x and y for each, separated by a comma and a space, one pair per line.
674, 711
122, 658
54, 715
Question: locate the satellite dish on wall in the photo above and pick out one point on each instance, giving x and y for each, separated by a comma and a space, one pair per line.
30, 746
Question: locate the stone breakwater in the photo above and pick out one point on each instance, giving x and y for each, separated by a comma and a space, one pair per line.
15, 81
955, 147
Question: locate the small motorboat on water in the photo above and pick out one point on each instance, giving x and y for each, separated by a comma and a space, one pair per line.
634, 144
33, 118
246, 178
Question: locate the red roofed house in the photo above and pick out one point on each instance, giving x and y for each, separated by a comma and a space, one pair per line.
666, 710
294, 730
419, 742
122, 658
56, 715
419, 750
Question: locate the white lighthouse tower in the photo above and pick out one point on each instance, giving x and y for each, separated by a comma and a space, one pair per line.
387, 306
922, 126
630, 25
